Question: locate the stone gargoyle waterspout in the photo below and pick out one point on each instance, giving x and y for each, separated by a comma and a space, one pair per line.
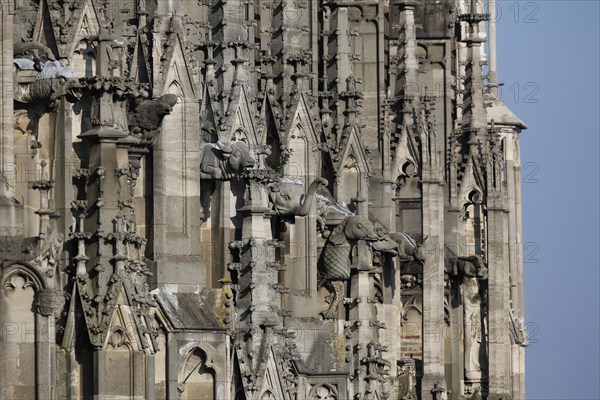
52, 82
467, 267
145, 116
39, 87
287, 196
223, 162
408, 248
336, 256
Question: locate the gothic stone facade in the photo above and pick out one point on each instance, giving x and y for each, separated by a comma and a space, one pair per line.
267, 199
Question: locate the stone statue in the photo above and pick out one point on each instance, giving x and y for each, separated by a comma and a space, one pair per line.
467, 267
325, 204
407, 380
223, 162
396, 243
147, 115
473, 330
287, 196
336, 254
408, 248
23, 46
438, 392
53, 82
337, 248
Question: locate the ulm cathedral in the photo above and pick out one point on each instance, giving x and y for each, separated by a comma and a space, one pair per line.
257, 200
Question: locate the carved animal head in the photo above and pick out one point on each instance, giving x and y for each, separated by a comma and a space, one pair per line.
287, 196
165, 104
237, 155
470, 267
386, 246
53, 82
418, 253
358, 227
71, 89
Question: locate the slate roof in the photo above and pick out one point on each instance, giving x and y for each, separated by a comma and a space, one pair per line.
187, 311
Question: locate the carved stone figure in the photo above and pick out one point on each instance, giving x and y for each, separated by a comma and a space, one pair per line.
337, 250
24, 46
468, 267
519, 328
438, 392
287, 196
254, 284
408, 248
473, 330
32, 50
407, 380
53, 82
223, 162
386, 245
45, 301
147, 115
325, 204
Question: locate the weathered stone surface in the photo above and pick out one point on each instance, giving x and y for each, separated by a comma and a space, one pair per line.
257, 200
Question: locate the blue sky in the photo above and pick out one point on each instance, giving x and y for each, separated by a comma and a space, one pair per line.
548, 60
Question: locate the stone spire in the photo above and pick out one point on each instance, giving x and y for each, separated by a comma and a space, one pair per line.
259, 328
484, 148
369, 363
113, 250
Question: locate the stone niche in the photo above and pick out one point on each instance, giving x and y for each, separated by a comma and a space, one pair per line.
197, 380
18, 341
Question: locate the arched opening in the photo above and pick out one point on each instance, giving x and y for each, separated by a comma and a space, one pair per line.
408, 200
323, 392
474, 225
19, 332
119, 354
268, 395
197, 380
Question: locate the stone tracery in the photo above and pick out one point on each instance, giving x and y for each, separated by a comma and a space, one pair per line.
175, 219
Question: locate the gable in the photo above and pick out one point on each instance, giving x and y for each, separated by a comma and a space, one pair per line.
239, 119
271, 384
302, 118
177, 69
353, 148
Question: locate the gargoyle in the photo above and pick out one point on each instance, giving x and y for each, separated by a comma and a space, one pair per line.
223, 162
408, 248
396, 243
469, 267
53, 82
146, 116
325, 204
337, 251
287, 196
